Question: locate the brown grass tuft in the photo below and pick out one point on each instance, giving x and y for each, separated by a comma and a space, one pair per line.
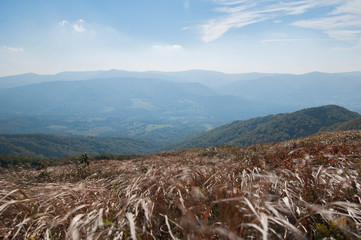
307, 188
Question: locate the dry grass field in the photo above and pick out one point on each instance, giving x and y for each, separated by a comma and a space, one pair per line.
307, 188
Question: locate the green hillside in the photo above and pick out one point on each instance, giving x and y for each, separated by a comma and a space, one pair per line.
272, 128
52, 146
353, 124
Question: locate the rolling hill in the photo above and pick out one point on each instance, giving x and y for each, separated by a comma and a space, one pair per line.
353, 124
53, 146
272, 128
306, 188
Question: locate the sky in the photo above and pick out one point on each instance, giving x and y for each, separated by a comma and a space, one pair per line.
232, 36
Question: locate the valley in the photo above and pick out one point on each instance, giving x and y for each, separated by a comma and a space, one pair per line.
132, 157
271, 128
161, 106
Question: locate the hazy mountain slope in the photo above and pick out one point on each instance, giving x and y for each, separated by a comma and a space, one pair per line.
306, 90
21, 80
32, 78
92, 96
136, 107
52, 146
205, 77
208, 78
120, 96
298, 91
271, 128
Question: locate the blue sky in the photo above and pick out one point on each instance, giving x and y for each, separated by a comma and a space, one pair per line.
233, 36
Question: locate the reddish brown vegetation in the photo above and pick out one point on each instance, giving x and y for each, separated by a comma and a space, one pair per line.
308, 188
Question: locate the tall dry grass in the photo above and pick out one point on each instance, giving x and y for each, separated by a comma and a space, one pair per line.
308, 188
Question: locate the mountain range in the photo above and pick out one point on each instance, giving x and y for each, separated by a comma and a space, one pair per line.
208, 78
133, 107
305, 90
161, 106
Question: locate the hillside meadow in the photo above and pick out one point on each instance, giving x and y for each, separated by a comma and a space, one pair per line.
307, 188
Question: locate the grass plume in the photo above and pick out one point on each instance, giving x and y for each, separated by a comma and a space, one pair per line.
306, 188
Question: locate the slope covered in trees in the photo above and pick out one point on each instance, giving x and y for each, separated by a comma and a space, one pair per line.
272, 128
352, 124
52, 146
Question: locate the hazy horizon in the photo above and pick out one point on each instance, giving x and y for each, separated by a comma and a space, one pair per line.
229, 36
175, 71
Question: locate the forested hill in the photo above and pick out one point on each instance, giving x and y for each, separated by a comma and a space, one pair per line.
271, 128
275, 128
352, 124
52, 146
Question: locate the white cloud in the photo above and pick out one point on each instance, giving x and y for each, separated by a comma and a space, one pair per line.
14, 49
215, 28
345, 35
228, 2
78, 28
62, 23
237, 14
342, 24
331, 22
349, 7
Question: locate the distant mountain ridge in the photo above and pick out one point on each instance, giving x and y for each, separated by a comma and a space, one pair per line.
302, 91
205, 77
273, 128
298, 90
